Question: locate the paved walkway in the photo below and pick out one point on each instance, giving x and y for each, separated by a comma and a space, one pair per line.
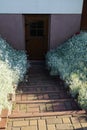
42, 103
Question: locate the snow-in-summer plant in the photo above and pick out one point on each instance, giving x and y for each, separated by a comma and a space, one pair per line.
6, 83
13, 67
69, 60
82, 98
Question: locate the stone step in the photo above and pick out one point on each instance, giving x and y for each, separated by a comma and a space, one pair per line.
45, 114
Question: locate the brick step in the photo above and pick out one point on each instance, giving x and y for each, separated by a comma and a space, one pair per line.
4, 113
3, 123
45, 101
42, 106
4, 118
41, 76
51, 95
41, 83
42, 86
40, 91
38, 72
45, 114
30, 84
37, 88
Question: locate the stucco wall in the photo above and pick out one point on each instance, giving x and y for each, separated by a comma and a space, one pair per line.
12, 29
41, 6
63, 24
62, 27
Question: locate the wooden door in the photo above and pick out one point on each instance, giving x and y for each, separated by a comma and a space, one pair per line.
84, 16
36, 35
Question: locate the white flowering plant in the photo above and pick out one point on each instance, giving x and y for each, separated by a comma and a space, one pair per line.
69, 60
13, 67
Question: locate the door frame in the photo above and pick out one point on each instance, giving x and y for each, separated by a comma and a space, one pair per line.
84, 16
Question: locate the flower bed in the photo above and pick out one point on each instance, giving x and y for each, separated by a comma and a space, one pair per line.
13, 66
69, 61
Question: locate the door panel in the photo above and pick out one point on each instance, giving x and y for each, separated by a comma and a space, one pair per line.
36, 35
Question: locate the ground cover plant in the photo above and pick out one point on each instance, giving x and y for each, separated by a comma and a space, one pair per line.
69, 61
13, 67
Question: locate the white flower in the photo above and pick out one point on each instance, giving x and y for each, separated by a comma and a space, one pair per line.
13, 66
69, 61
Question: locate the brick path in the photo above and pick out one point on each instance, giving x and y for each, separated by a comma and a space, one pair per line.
67, 122
42, 103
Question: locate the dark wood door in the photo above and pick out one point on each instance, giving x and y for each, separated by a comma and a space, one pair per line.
36, 35
84, 16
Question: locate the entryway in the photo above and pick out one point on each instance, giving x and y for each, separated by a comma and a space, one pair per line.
36, 35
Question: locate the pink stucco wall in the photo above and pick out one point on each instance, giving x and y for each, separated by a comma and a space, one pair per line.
63, 26
12, 29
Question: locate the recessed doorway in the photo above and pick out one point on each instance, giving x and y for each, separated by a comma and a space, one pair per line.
36, 35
